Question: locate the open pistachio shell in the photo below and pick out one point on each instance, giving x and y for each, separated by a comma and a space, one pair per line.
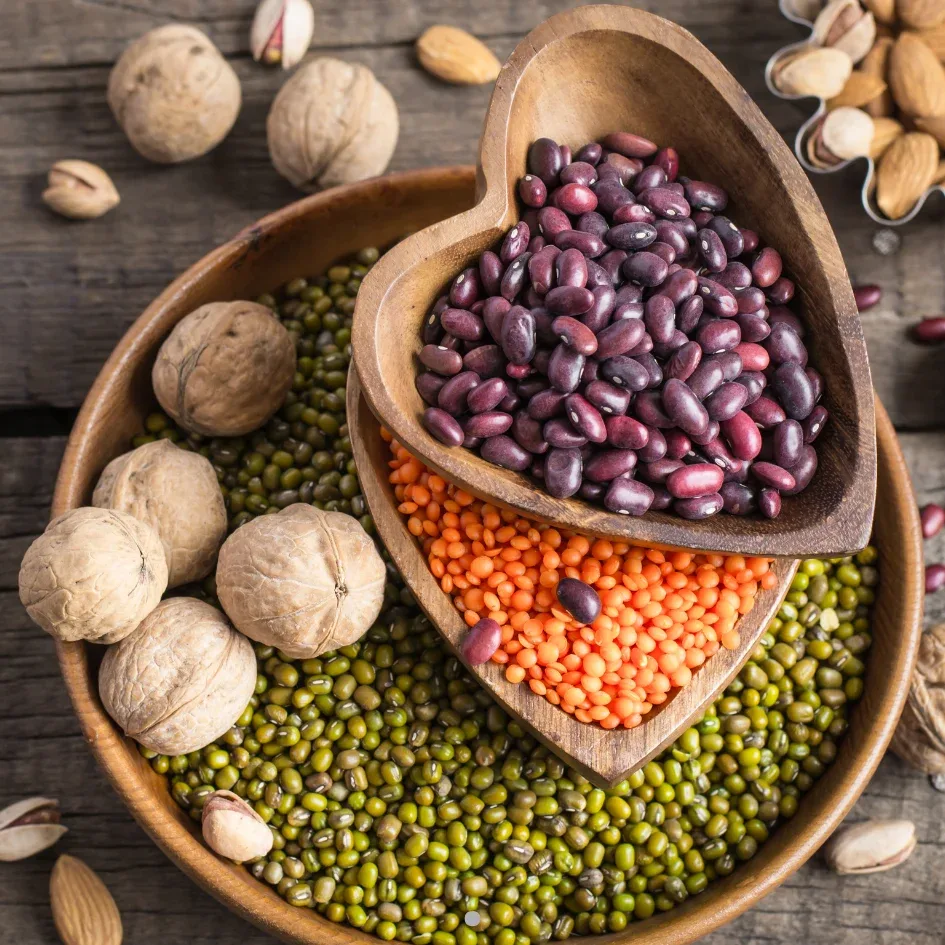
820, 72
29, 827
845, 25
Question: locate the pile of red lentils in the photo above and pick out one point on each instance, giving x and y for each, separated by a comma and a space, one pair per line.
663, 614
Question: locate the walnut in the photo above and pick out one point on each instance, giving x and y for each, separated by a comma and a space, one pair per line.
94, 574
332, 123
181, 679
173, 94
176, 492
225, 368
920, 737
303, 581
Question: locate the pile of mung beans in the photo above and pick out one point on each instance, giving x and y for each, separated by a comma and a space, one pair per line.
402, 799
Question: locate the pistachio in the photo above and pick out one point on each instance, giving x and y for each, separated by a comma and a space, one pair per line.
883, 10
916, 78
845, 25
82, 906
282, 32
79, 190
803, 9
28, 827
870, 847
233, 829
921, 14
843, 135
860, 90
821, 72
885, 131
905, 172
876, 63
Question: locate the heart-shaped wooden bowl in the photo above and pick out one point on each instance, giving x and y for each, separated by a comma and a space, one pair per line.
308, 236
580, 75
604, 757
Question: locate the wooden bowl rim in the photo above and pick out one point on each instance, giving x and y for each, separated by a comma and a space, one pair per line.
847, 526
235, 888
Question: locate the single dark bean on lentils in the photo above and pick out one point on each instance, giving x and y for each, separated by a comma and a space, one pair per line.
625, 293
401, 797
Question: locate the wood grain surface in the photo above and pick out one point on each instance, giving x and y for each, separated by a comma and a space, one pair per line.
68, 291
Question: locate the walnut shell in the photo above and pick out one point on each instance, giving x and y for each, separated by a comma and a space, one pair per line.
181, 679
332, 123
225, 368
920, 736
176, 492
94, 574
304, 581
173, 94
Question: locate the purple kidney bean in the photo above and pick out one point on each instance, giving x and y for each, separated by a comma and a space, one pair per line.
541, 269
563, 469
527, 388
487, 396
769, 503
783, 344
705, 196
698, 509
766, 267
575, 334
738, 499
712, 250
593, 224
929, 331
598, 277
486, 424
754, 357
442, 426
609, 464
565, 369
544, 160
711, 433
465, 288
676, 341
518, 371
429, 386
580, 600
695, 481
625, 372
649, 409
628, 497
932, 518
718, 336
585, 418
493, 314
491, 270
513, 279
664, 251
578, 172
672, 235
608, 398
646, 269
684, 361
668, 159
611, 262
650, 364
569, 300
754, 382
664, 202
736, 277
591, 371
766, 412
612, 195
715, 451
574, 199
779, 315
629, 145
486, 361
751, 240
602, 307
731, 364
814, 424
717, 299
619, 338
751, 301
626, 433
625, 169
546, 404
515, 243
655, 447
537, 243
729, 234
659, 315
753, 328
552, 221
462, 324
631, 236
678, 445
633, 213
770, 474
453, 394
787, 440
532, 191
591, 153
518, 337
706, 378
652, 176
505, 452
527, 432
689, 313
803, 471
571, 269
727, 401
781, 292
441, 359
560, 434
794, 390
742, 435
481, 642
587, 244
510, 403
816, 381
683, 407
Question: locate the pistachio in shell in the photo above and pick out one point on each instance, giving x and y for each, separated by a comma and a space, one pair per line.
844, 135
845, 25
28, 827
233, 829
872, 846
225, 368
817, 71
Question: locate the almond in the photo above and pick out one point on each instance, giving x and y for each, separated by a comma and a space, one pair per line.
883, 10
921, 14
934, 38
82, 906
916, 78
456, 56
934, 127
905, 172
939, 178
885, 131
876, 63
860, 90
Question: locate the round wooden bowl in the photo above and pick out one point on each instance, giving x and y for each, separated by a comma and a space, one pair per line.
305, 238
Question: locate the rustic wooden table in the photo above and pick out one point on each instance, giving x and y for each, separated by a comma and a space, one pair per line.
70, 290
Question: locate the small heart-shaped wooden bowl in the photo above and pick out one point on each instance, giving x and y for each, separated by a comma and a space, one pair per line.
604, 757
580, 75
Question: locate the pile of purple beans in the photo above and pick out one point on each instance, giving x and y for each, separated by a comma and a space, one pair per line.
627, 343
